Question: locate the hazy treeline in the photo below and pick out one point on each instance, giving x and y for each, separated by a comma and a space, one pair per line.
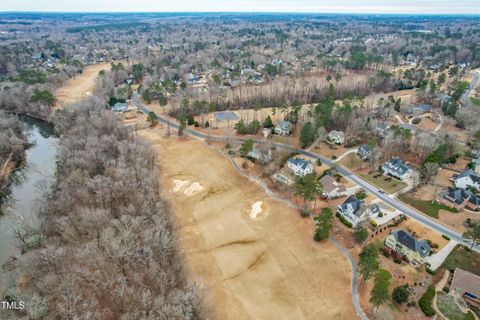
12, 146
105, 249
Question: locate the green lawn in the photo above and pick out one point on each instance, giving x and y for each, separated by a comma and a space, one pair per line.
426, 207
447, 306
463, 259
475, 101
388, 184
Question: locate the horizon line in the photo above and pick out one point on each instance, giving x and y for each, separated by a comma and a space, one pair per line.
241, 12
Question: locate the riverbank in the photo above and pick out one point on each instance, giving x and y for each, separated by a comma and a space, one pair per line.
13, 143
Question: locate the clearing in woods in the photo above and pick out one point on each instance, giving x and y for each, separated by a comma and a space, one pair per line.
80, 86
253, 257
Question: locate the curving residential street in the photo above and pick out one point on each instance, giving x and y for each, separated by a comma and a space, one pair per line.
393, 202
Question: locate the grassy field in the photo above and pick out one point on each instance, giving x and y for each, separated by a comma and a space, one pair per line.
390, 185
466, 260
426, 207
475, 101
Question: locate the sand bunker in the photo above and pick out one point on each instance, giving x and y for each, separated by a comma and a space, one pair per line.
258, 210
188, 188
194, 188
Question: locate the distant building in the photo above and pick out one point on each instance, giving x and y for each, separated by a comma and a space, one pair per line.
331, 188
337, 137
262, 155
364, 152
421, 109
381, 129
403, 243
467, 179
396, 168
283, 128
458, 198
355, 211
299, 166
466, 285
120, 107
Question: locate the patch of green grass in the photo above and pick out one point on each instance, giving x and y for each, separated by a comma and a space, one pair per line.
475, 101
427, 207
388, 184
463, 259
447, 306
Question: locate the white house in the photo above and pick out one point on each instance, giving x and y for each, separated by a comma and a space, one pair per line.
397, 168
466, 179
283, 128
355, 211
337, 137
331, 188
120, 107
299, 166
262, 155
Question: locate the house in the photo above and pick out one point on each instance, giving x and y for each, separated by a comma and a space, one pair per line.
458, 198
403, 243
396, 168
299, 166
262, 155
466, 179
191, 78
381, 129
421, 109
466, 285
355, 211
120, 107
337, 137
364, 152
283, 128
331, 188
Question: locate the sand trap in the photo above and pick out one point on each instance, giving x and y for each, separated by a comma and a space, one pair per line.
258, 210
189, 189
192, 189
180, 184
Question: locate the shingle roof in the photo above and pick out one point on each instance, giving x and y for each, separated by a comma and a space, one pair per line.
329, 184
299, 162
353, 205
466, 281
405, 238
468, 173
397, 165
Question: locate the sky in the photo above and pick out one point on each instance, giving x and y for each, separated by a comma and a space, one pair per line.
310, 6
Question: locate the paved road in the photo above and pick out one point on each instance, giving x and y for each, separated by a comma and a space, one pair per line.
393, 202
473, 85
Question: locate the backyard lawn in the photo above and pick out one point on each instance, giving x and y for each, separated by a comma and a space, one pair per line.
463, 259
426, 206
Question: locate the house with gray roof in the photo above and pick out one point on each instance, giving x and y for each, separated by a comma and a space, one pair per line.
458, 198
397, 168
421, 109
300, 166
120, 107
283, 128
337, 137
355, 211
364, 152
403, 243
467, 179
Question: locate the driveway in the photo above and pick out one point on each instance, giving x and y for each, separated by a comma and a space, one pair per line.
436, 260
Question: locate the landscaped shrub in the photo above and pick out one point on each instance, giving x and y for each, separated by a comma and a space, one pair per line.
445, 237
344, 221
373, 223
425, 302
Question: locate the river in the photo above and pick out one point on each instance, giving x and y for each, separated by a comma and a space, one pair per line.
29, 184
